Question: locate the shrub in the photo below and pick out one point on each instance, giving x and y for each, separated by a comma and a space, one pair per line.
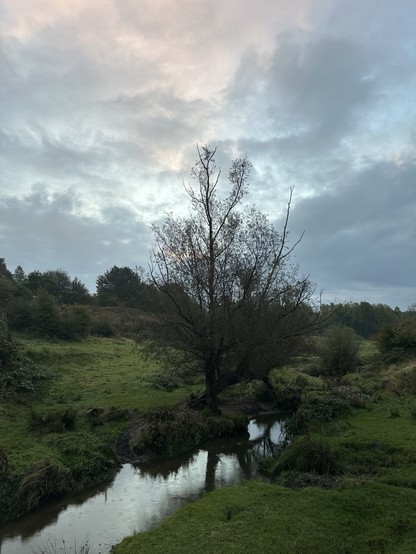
18, 374
76, 324
408, 380
308, 455
102, 328
338, 351
316, 410
219, 427
47, 320
394, 412
170, 432
398, 342
20, 314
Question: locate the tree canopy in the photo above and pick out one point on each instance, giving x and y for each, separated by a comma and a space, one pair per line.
120, 286
235, 303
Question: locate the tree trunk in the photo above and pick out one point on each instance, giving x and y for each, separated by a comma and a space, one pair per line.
211, 389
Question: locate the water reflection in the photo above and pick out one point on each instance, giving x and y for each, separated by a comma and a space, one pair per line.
141, 497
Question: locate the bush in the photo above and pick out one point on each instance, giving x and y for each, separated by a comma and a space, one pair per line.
408, 380
308, 455
20, 314
76, 324
219, 427
169, 432
338, 351
100, 416
316, 410
398, 342
47, 320
102, 328
18, 374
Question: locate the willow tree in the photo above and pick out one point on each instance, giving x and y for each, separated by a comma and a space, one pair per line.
235, 304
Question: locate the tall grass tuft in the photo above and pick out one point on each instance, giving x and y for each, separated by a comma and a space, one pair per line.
309, 455
55, 421
45, 479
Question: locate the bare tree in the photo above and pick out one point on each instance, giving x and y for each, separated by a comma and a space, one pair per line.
234, 302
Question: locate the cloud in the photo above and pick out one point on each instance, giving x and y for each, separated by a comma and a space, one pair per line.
44, 231
101, 105
360, 235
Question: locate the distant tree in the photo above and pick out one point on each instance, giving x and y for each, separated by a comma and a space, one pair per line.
59, 284
19, 275
120, 286
365, 318
4, 272
79, 292
398, 342
338, 351
233, 300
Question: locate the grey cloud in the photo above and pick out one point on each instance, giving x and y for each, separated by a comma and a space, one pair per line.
315, 92
361, 235
108, 104
43, 231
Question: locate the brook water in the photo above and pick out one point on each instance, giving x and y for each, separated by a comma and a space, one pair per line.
140, 497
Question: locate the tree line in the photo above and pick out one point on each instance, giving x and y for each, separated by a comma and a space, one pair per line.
127, 287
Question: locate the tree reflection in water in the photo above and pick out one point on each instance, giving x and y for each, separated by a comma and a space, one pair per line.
141, 497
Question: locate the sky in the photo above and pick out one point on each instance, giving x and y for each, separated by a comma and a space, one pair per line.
102, 104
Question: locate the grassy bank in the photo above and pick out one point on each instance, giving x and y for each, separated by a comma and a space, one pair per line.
346, 483
63, 438
259, 517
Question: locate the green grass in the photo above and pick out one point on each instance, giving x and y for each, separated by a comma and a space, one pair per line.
369, 507
259, 517
379, 444
97, 373
109, 376
101, 373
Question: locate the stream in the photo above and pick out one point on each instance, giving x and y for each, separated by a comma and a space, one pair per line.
141, 496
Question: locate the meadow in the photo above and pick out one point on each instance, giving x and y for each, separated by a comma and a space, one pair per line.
65, 434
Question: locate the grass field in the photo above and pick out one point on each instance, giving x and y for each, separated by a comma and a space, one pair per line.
108, 377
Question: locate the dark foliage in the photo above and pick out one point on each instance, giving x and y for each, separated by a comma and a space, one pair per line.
338, 351
18, 374
398, 342
364, 318
316, 410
